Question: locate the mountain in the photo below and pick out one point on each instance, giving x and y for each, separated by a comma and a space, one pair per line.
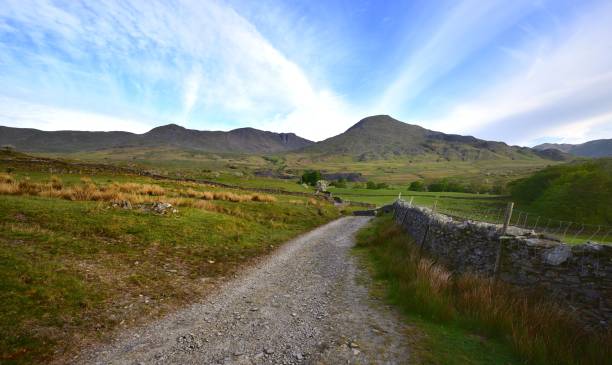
382, 137
242, 140
596, 148
563, 147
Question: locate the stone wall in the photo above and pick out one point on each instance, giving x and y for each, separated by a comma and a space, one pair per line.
578, 277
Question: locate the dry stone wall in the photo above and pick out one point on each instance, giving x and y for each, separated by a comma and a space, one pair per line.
578, 277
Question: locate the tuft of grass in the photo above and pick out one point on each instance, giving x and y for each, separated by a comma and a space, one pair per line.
264, 198
56, 182
6, 178
536, 329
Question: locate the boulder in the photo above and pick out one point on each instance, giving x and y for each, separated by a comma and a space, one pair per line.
163, 208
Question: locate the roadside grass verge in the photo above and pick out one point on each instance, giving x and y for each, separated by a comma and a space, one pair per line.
74, 269
533, 329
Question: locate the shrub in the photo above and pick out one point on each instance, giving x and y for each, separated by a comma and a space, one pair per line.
446, 185
311, 177
340, 183
417, 186
373, 185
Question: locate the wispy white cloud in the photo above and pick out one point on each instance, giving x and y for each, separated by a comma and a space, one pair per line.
206, 65
191, 90
196, 63
450, 38
563, 91
18, 113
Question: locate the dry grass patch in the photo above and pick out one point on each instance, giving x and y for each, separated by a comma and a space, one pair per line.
264, 198
6, 178
135, 188
135, 193
537, 328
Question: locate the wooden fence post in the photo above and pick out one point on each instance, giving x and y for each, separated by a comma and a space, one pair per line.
507, 217
502, 237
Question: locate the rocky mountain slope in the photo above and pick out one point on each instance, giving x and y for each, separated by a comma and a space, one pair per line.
382, 137
596, 148
242, 140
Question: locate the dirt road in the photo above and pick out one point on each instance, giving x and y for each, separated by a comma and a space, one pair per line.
306, 303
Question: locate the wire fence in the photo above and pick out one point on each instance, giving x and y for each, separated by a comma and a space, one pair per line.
563, 230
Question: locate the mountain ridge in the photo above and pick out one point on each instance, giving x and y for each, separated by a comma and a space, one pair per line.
240, 140
595, 148
377, 137
383, 137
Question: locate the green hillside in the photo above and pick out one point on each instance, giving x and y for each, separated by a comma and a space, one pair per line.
382, 137
579, 192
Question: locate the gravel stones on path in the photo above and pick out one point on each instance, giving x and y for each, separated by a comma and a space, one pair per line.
307, 303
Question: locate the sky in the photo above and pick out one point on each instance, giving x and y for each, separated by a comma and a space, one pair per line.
523, 72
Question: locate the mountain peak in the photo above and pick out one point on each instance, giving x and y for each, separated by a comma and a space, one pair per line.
168, 128
383, 137
375, 121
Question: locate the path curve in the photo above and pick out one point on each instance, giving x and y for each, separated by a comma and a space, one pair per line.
307, 303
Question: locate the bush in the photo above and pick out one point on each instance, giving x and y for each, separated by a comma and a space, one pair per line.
373, 185
311, 177
382, 186
417, 186
340, 183
446, 185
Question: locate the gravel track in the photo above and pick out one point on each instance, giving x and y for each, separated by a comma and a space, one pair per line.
307, 303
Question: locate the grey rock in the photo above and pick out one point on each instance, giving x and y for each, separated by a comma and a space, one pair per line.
557, 255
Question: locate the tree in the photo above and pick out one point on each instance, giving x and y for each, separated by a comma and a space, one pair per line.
371, 185
437, 186
445, 185
340, 183
311, 177
417, 186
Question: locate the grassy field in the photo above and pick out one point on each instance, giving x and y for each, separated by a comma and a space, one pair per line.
386, 196
491, 208
405, 170
401, 171
77, 262
469, 320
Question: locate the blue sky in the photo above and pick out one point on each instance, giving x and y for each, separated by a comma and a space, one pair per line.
524, 72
